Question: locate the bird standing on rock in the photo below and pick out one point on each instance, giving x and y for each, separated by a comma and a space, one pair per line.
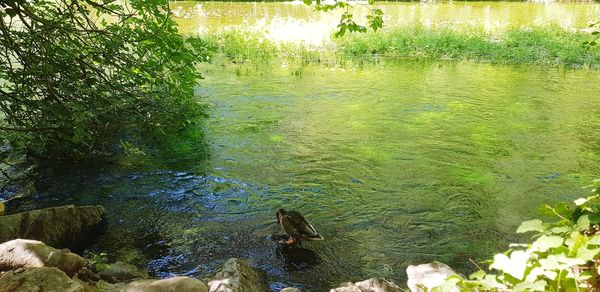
296, 226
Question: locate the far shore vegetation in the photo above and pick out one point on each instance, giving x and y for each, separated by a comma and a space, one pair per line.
542, 45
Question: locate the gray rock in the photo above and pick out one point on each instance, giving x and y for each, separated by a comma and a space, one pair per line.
121, 272
369, 285
237, 276
39, 279
175, 284
65, 226
290, 289
26, 253
428, 276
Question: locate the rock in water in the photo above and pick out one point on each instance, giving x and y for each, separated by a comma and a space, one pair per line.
175, 284
26, 253
369, 285
65, 226
121, 272
39, 279
429, 276
237, 276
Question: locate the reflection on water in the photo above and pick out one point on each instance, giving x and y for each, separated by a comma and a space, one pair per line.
297, 258
296, 22
394, 164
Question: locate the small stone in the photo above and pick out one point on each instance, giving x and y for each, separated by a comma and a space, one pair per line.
39, 279
369, 285
175, 284
121, 272
290, 289
237, 276
428, 276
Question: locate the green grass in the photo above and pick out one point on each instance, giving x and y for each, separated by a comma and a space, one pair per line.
549, 46
545, 46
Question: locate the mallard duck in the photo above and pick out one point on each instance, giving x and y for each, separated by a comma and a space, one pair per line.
296, 226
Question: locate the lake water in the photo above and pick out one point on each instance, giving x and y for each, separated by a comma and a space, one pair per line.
395, 163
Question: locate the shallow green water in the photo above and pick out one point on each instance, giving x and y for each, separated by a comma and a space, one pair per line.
394, 164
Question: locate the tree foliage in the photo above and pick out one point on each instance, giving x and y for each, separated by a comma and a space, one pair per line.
347, 22
76, 74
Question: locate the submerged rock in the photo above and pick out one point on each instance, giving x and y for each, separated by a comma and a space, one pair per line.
237, 276
369, 285
175, 284
65, 226
39, 279
121, 272
26, 253
428, 276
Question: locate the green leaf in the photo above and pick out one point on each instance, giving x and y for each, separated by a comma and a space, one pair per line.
583, 222
545, 242
586, 254
595, 240
560, 229
477, 275
531, 225
514, 265
11, 12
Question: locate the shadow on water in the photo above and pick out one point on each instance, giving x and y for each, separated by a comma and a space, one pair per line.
296, 257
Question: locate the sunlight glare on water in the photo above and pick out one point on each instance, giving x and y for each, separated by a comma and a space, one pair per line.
294, 22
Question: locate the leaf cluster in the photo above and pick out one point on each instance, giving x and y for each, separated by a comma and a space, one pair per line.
562, 257
76, 75
347, 22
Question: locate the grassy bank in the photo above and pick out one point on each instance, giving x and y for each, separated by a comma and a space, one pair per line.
546, 46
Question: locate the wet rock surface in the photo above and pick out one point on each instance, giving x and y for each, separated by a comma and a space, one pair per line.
39, 279
121, 272
26, 253
175, 284
64, 226
369, 285
237, 276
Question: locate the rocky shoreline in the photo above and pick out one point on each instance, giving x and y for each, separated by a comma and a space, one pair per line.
34, 256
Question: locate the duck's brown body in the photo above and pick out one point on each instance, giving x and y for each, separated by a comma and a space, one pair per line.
296, 226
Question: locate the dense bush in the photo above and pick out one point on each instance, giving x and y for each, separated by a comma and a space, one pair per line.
544, 45
76, 76
549, 45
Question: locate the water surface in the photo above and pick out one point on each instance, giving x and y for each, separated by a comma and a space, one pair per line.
296, 22
394, 164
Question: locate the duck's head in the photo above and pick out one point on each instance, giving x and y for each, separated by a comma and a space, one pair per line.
280, 213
